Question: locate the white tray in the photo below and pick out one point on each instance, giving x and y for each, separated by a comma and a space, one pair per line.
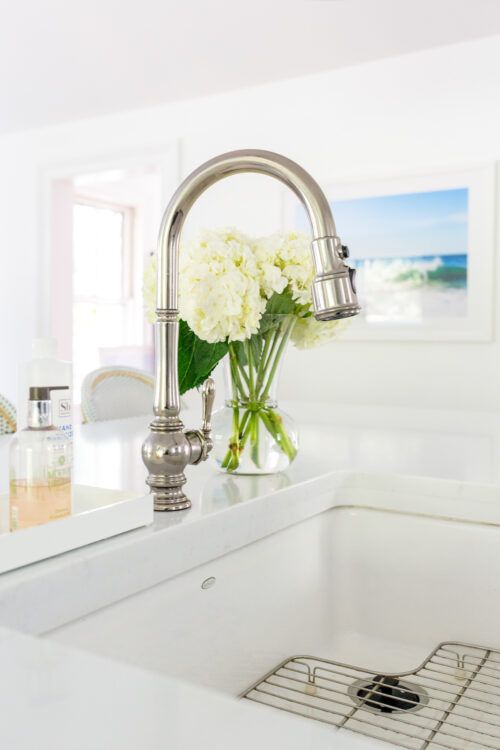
97, 514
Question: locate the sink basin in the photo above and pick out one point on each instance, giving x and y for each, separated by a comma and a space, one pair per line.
368, 586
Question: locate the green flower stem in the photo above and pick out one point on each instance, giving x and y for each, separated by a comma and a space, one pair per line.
232, 458
245, 433
274, 424
235, 372
244, 421
254, 438
274, 344
261, 368
277, 358
251, 383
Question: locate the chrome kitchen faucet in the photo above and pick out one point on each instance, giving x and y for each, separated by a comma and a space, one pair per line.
169, 448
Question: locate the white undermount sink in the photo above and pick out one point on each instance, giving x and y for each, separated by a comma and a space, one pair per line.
379, 581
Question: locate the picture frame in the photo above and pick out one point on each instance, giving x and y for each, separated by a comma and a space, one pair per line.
423, 246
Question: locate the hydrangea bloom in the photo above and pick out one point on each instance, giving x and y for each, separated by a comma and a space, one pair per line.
226, 279
287, 258
308, 333
219, 290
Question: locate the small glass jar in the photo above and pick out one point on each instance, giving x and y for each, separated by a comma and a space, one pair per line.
252, 435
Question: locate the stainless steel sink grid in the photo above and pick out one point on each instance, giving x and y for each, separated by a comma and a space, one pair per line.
451, 701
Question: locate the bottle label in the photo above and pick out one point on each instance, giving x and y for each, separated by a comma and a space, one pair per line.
59, 459
62, 411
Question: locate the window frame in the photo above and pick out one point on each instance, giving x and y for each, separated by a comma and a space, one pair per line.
128, 234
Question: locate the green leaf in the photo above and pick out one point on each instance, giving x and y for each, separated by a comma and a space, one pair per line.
281, 304
197, 358
278, 307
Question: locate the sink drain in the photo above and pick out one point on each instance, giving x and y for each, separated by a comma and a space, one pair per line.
387, 695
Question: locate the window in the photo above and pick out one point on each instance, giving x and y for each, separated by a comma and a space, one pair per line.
103, 283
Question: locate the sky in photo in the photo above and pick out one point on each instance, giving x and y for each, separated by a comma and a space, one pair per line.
404, 225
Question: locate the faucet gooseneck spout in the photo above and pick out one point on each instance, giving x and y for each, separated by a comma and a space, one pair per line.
169, 448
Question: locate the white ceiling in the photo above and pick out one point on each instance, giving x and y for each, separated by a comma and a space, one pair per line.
63, 60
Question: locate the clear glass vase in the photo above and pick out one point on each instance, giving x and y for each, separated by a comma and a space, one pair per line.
251, 434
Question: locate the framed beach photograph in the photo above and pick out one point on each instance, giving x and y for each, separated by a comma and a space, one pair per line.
423, 248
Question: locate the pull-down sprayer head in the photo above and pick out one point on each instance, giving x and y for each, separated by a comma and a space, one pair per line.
334, 288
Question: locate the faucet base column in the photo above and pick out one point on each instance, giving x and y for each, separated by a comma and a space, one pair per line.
166, 452
167, 492
163, 502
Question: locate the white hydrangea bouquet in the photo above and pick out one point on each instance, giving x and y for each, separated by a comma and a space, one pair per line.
245, 298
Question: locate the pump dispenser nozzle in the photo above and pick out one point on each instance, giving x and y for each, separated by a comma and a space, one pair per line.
39, 408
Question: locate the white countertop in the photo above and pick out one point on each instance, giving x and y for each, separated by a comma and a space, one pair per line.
461, 445
130, 706
226, 512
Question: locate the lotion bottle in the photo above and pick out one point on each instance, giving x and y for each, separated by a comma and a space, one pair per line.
45, 370
40, 467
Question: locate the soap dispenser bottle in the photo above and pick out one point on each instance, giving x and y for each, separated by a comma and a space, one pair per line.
45, 369
40, 467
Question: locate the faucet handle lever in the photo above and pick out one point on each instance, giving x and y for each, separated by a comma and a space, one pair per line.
207, 405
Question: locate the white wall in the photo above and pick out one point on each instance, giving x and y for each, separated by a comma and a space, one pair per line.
436, 109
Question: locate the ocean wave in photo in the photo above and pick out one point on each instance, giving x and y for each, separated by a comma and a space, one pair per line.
413, 289
445, 270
